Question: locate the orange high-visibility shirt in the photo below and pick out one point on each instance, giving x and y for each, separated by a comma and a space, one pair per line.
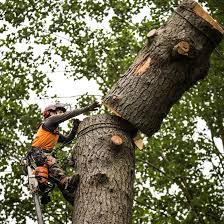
45, 139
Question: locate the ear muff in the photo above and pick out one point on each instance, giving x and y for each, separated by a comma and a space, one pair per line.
46, 113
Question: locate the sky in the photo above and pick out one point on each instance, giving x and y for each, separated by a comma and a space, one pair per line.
68, 90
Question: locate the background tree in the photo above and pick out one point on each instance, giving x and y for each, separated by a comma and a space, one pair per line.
173, 185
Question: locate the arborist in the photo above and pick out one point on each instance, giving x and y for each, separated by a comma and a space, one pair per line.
47, 136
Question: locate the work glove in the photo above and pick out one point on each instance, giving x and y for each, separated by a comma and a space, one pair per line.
93, 106
75, 123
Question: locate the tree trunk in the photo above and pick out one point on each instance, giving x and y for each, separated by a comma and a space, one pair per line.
105, 162
174, 58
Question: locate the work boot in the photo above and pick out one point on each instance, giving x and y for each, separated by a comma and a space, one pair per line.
69, 191
73, 183
45, 198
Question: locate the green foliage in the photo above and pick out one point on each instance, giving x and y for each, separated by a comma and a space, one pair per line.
99, 40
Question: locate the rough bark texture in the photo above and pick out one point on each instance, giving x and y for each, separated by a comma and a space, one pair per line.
174, 58
104, 158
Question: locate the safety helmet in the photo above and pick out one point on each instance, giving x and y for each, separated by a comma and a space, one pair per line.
53, 107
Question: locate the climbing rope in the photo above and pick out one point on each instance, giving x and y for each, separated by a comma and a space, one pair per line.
97, 126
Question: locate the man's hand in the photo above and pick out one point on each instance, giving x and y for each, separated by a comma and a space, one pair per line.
76, 123
93, 106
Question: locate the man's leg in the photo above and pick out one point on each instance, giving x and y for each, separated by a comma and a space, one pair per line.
67, 185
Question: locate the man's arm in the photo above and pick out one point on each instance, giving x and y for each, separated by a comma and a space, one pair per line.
52, 122
68, 139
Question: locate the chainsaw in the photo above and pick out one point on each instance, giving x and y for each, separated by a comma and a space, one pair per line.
38, 186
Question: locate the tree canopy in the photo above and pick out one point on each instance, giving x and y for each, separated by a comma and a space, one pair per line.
179, 174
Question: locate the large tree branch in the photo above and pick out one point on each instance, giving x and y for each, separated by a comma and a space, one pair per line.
175, 58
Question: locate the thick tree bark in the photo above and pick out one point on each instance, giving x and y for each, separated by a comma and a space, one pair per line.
105, 162
174, 58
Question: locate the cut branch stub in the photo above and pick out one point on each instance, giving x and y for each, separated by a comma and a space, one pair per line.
116, 140
182, 48
105, 192
156, 79
152, 33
